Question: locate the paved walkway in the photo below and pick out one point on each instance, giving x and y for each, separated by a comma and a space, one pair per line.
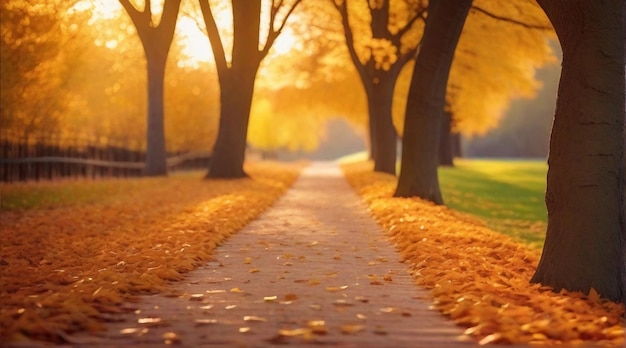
315, 269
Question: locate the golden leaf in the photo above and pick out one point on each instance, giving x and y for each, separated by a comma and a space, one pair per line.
352, 329
294, 332
254, 318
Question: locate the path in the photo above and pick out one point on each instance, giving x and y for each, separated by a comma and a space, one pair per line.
315, 266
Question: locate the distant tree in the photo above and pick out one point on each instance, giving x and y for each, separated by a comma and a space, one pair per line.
237, 78
426, 100
586, 233
156, 40
33, 68
379, 52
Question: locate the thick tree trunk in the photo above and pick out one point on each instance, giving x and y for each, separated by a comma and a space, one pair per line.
426, 100
584, 245
371, 137
156, 41
236, 92
156, 156
446, 152
382, 131
230, 147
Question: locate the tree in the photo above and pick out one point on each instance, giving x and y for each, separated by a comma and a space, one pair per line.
237, 78
586, 233
379, 57
426, 101
156, 40
33, 66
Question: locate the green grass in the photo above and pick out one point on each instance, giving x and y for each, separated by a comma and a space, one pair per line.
74, 192
507, 194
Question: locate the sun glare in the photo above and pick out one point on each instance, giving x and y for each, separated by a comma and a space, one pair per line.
285, 42
195, 44
196, 48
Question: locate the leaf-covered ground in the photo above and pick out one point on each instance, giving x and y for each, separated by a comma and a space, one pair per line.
480, 278
72, 253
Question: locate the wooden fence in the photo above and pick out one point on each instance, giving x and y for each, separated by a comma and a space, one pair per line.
43, 159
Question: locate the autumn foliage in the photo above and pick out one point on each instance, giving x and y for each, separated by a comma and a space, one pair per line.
480, 278
67, 267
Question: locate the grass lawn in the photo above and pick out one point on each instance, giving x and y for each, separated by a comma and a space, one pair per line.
507, 194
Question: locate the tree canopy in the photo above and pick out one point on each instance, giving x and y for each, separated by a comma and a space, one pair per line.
305, 71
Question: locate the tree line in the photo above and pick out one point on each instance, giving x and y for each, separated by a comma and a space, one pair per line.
586, 234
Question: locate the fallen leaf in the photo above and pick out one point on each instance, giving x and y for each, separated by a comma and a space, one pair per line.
253, 318
215, 291
352, 329
317, 327
171, 338
294, 332
202, 322
134, 331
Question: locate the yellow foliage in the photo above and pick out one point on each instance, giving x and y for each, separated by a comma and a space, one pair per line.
494, 63
480, 278
62, 268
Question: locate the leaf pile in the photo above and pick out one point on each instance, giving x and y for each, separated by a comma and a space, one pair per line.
66, 268
480, 278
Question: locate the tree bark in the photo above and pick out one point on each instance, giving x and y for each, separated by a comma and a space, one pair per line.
383, 133
156, 155
379, 82
156, 42
426, 100
446, 151
236, 92
230, 146
237, 80
584, 245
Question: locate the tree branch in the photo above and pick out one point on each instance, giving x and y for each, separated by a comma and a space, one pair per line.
169, 16
510, 20
134, 13
418, 15
214, 37
147, 10
273, 33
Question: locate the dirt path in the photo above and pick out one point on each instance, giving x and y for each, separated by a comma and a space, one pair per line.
314, 269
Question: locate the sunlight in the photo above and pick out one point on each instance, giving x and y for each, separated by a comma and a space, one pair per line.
196, 48
285, 42
195, 44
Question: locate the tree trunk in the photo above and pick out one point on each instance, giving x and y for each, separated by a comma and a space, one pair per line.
426, 100
156, 41
457, 150
584, 245
236, 92
156, 156
446, 152
230, 146
382, 131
